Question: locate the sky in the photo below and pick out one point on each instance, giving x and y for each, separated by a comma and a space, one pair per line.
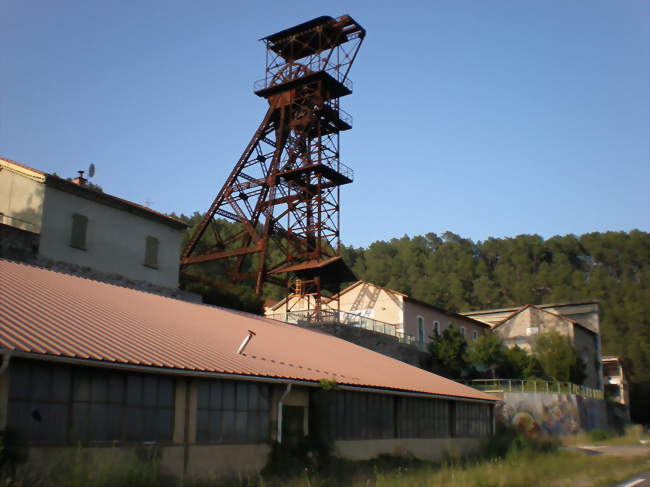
483, 118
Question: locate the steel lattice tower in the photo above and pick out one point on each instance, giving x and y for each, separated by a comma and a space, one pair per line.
285, 186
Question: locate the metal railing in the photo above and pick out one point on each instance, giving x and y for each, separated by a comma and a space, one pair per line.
341, 168
324, 317
534, 386
344, 116
285, 74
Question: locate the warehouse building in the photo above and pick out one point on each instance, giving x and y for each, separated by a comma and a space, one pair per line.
207, 389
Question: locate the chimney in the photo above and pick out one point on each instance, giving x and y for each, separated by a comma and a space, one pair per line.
80, 180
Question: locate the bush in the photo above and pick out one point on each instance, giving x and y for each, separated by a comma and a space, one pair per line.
599, 435
508, 441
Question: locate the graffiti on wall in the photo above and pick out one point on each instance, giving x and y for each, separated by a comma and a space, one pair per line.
548, 414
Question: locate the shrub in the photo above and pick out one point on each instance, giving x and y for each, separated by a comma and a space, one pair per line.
508, 442
599, 435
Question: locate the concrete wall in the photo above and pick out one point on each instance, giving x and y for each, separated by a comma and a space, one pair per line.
434, 449
412, 310
585, 314
559, 414
524, 328
374, 302
115, 239
21, 197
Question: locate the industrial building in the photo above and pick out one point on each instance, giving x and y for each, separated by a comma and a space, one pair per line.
207, 389
579, 321
367, 305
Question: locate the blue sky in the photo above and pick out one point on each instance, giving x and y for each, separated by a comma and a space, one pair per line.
482, 118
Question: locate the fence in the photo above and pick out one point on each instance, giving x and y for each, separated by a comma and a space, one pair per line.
324, 317
534, 386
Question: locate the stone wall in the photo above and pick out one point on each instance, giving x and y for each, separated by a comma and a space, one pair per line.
559, 414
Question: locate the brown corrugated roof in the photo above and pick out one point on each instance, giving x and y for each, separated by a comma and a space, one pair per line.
53, 314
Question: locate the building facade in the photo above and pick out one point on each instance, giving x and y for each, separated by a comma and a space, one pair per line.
205, 390
71, 222
385, 310
578, 321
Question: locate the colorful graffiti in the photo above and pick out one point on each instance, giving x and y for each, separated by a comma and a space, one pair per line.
551, 414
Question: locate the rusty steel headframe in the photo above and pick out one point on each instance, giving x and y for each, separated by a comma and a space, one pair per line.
285, 186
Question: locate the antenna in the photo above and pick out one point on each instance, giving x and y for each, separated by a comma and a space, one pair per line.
91, 170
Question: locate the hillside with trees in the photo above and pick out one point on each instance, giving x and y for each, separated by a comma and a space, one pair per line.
462, 275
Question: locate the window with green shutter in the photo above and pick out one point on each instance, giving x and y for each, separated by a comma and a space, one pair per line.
79, 230
151, 252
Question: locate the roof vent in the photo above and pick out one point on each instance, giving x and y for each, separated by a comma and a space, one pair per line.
244, 343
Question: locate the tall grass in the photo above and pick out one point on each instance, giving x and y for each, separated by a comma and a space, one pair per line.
632, 435
510, 459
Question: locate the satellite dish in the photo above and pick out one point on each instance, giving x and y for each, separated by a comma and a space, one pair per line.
91, 170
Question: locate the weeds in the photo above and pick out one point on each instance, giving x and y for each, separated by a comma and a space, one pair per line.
510, 459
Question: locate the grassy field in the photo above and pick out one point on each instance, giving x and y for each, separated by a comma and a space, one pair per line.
508, 460
558, 469
632, 436
519, 469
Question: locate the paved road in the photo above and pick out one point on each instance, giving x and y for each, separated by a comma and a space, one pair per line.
640, 480
613, 450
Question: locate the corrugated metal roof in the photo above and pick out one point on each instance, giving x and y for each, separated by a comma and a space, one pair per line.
54, 314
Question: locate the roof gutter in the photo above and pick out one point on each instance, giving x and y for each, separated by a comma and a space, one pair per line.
224, 375
282, 398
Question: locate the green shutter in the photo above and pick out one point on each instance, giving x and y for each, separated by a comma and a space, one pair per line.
151, 252
78, 233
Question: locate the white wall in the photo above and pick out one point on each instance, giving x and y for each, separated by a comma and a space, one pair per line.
21, 198
115, 239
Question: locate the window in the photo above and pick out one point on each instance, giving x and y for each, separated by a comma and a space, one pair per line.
151, 252
422, 418
51, 403
38, 402
472, 419
349, 415
79, 231
231, 411
462, 331
436, 327
420, 330
474, 335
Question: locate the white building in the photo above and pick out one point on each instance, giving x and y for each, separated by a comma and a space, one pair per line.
69, 221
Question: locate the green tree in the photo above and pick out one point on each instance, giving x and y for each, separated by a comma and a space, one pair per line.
558, 358
519, 364
487, 353
449, 350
